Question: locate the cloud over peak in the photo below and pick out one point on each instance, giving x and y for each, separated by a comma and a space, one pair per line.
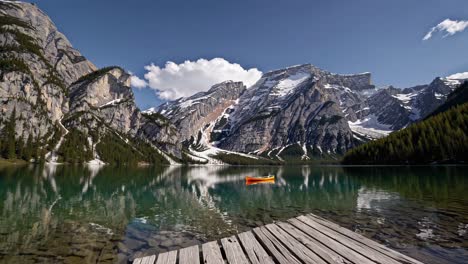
449, 26
180, 80
137, 82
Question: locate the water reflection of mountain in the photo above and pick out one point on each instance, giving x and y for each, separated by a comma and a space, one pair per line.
99, 214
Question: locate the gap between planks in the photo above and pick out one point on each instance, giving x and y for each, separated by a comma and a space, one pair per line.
304, 239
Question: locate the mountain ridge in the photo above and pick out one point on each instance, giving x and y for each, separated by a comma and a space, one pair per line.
59, 106
366, 113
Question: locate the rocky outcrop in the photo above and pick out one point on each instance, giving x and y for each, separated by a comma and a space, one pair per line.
54, 46
301, 111
107, 94
392, 109
193, 114
59, 98
103, 101
36, 63
300, 106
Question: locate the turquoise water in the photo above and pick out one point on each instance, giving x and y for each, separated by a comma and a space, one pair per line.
68, 214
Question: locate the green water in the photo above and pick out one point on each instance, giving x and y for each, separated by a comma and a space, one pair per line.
66, 214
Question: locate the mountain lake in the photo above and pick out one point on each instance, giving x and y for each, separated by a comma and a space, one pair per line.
104, 214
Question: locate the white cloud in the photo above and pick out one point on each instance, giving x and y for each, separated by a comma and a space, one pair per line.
190, 77
449, 26
137, 82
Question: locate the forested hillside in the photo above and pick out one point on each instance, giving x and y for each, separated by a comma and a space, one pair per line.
439, 139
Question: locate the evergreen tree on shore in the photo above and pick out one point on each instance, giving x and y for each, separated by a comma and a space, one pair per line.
440, 138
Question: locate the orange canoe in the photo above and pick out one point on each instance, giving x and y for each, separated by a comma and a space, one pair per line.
260, 179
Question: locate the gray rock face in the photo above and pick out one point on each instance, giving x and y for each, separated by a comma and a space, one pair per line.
301, 110
109, 97
191, 115
38, 62
104, 99
300, 105
392, 109
54, 89
57, 50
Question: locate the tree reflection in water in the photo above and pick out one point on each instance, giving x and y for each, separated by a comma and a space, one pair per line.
89, 214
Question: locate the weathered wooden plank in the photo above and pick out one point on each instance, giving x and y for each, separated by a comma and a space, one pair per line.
167, 257
212, 253
137, 261
148, 260
301, 251
190, 255
233, 250
325, 253
364, 250
255, 251
364, 240
340, 253
281, 254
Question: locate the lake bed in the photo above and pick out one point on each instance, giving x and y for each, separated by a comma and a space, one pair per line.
104, 214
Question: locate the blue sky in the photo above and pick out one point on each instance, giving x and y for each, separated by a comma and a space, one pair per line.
382, 37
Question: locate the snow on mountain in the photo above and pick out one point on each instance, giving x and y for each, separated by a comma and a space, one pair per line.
370, 127
458, 76
285, 86
300, 109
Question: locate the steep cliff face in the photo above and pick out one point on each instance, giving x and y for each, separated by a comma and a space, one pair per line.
392, 109
36, 63
191, 115
299, 109
103, 102
54, 46
107, 94
59, 99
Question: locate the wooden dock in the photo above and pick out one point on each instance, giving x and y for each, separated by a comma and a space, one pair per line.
305, 239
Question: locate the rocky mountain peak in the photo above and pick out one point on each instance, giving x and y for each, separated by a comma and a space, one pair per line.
71, 110
192, 114
56, 48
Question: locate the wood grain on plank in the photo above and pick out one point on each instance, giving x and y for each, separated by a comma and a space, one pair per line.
279, 252
233, 250
212, 253
314, 244
364, 240
167, 258
301, 251
148, 260
336, 246
255, 251
346, 241
190, 255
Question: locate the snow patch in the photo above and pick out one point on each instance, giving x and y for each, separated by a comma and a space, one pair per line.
151, 110
304, 149
287, 85
52, 156
112, 103
458, 76
439, 96
370, 127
